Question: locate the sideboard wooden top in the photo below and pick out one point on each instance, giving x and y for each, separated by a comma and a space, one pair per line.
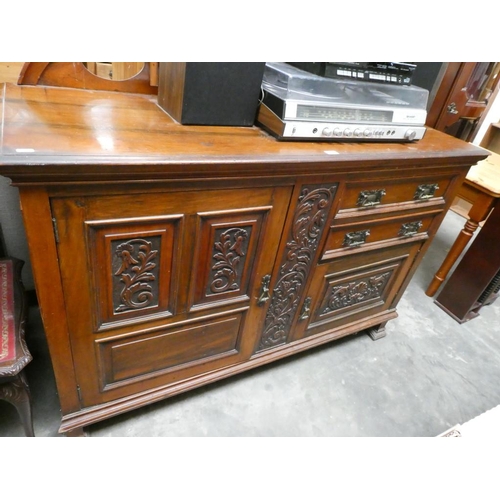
110, 133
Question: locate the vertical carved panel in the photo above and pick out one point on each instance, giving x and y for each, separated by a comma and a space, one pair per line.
228, 260
135, 280
309, 221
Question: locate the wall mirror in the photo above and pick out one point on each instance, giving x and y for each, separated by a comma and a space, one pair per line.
116, 71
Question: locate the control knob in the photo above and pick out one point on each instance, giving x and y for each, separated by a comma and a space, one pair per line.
410, 134
326, 131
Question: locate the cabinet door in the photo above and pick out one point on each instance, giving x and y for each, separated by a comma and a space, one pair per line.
356, 289
164, 286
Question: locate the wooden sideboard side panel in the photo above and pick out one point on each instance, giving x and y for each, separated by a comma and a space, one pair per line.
37, 217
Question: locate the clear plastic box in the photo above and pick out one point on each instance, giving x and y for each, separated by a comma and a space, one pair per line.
295, 84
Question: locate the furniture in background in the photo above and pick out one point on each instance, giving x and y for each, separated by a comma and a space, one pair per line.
465, 94
481, 190
167, 257
476, 280
491, 139
14, 353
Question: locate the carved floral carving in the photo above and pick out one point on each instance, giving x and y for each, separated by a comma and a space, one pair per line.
308, 224
229, 253
137, 261
355, 292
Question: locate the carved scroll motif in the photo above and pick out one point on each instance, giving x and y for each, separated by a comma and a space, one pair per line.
136, 265
309, 221
355, 292
229, 253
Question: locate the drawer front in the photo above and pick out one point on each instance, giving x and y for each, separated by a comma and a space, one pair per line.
365, 235
362, 195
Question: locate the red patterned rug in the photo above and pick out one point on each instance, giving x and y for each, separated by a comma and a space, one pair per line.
7, 326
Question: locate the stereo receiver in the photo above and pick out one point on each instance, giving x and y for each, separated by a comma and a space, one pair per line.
298, 105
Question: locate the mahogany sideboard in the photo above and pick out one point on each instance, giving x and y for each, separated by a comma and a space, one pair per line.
166, 256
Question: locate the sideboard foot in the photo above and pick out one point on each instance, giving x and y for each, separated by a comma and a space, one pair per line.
377, 332
78, 432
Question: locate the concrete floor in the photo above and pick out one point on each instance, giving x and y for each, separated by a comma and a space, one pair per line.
428, 374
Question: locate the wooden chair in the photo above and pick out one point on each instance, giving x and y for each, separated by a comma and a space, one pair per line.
14, 354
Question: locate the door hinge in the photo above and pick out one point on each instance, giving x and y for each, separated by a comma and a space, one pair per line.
79, 393
56, 231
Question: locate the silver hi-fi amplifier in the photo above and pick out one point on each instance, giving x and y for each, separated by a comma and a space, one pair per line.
299, 105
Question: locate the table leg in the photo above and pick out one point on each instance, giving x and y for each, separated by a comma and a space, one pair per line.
477, 214
16, 392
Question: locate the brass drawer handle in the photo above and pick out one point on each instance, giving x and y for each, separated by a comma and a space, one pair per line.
410, 228
425, 191
356, 238
306, 309
264, 290
370, 198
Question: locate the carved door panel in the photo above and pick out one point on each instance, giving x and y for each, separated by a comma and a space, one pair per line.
297, 257
352, 288
162, 287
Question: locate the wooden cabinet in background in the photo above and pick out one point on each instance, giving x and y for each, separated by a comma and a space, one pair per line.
465, 95
167, 257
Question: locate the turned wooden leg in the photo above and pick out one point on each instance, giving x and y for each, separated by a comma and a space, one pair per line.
16, 392
477, 213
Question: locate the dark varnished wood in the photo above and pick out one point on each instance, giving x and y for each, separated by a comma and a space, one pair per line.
241, 238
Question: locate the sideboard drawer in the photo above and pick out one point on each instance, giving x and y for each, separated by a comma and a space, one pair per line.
354, 236
362, 195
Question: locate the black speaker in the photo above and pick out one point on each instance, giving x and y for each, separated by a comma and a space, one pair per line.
206, 93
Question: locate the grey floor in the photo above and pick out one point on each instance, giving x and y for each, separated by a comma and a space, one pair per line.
428, 374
